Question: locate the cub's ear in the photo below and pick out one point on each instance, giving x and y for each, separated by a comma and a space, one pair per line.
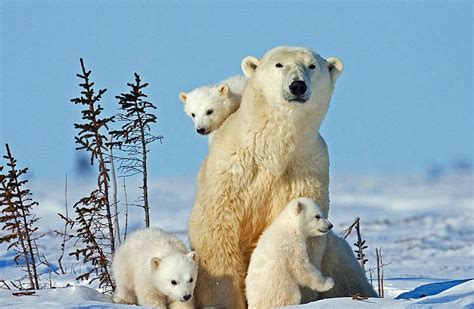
155, 263
192, 255
299, 208
249, 65
335, 67
223, 89
182, 97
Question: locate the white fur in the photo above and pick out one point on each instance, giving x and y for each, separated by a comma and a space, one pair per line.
145, 266
280, 262
222, 99
264, 155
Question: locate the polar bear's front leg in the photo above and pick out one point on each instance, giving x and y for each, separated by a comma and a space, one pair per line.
222, 270
305, 274
148, 295
221, 275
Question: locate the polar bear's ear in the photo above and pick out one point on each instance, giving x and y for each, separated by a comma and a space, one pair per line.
335, 67
299, 208
223, 89
249, 65
192, 255
155, 263
182, 97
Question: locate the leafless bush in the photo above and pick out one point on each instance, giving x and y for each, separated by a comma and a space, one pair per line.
19, 222
135, 136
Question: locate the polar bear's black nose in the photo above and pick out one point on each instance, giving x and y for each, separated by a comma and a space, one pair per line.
187, 297
201, 130
298, 87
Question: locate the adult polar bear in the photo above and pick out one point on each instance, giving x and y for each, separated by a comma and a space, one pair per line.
264, 155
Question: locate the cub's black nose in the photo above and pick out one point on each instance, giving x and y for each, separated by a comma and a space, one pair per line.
187, 297
330, 226
298, 87
200, 130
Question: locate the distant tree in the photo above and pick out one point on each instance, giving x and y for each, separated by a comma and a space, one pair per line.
135, 136
94, 221
18, 220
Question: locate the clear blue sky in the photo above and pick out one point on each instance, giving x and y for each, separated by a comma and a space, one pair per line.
404, 101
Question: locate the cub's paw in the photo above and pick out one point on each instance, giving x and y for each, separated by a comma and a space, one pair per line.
328, 284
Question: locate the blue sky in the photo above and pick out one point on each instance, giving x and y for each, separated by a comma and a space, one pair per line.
404, 101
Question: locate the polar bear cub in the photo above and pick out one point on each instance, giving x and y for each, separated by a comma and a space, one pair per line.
152, 268
209, 106
280, 262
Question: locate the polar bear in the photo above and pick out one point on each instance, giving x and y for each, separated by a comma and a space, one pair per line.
280, 262
209, 106
152, 268
265, 154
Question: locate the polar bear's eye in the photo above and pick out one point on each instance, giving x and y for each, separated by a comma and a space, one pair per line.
193, 115
173, 282
209, 112
191, 280
279, 65
318, 217
312, 67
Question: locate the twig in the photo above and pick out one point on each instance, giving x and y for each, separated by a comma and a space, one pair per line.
348, 231
5, 284
29, 293
378, 252
360, 244
126, 209
113, 181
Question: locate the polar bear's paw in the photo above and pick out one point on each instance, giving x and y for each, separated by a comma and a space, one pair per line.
328, 284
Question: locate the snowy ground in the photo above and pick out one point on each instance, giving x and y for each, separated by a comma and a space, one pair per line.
424, 224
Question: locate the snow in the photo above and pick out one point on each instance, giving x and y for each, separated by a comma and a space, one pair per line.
424, 224
458, 296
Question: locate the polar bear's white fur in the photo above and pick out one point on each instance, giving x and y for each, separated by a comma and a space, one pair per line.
152, 268
209, 106
280, 262
264, 155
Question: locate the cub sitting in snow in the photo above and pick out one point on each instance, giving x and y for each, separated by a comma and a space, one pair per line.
152, 268
280, 263
209, 106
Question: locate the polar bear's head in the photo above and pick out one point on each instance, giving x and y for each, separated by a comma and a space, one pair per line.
294, 77
309, 217
175, 275
207, 106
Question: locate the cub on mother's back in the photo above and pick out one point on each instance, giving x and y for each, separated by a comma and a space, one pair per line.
152, 268
209, 106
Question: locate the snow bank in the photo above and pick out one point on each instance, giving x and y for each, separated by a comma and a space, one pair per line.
78, 296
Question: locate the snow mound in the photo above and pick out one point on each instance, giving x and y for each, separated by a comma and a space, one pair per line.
459, 296
77, 296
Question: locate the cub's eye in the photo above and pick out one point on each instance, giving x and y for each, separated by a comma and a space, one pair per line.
209, 112
173, 282
318, 217
193, 115
191, 280
312, 67
279, 65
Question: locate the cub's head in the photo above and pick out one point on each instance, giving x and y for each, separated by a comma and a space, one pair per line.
309, 217
294, 77
206, 106
175, 275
